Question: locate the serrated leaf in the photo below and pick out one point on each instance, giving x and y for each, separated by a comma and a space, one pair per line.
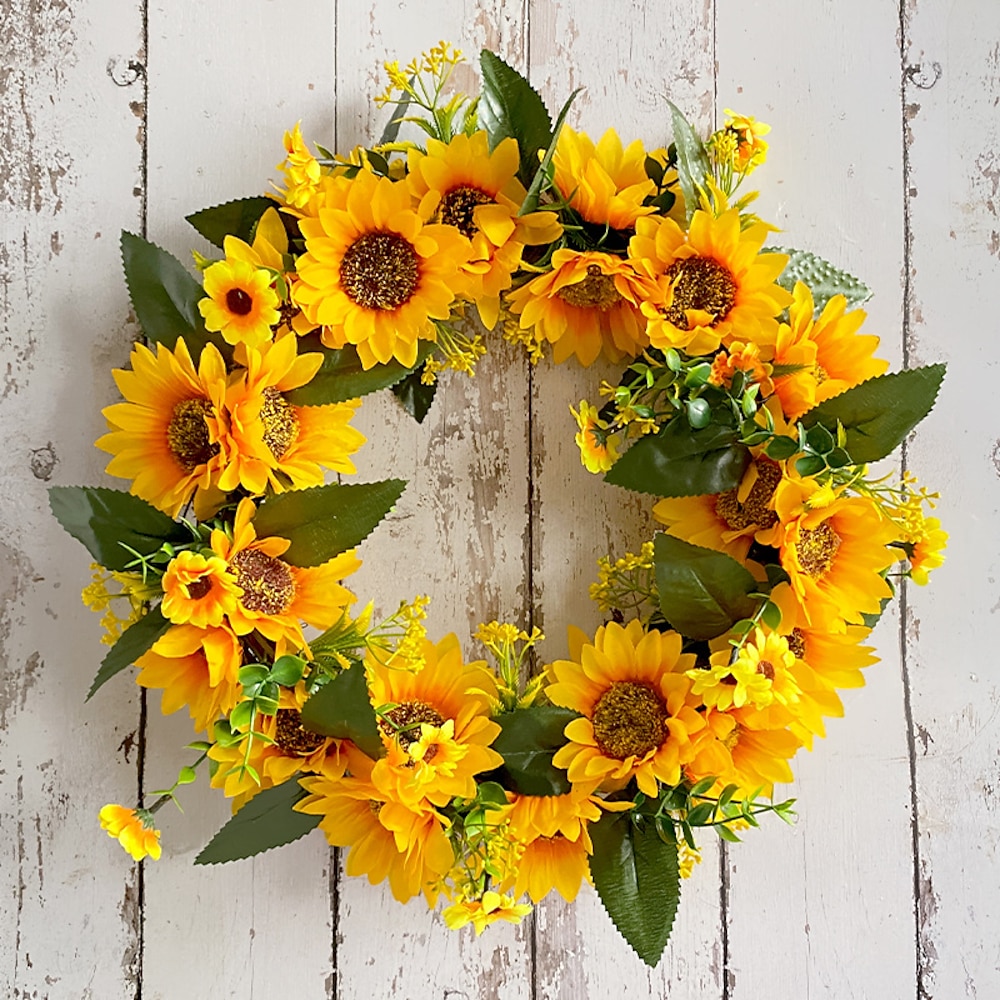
342, 708
693, 165
878, 414
164, 295
528, 740
106, 520
510, 107
233, 218
266, 821
824, 280
342, 377
323, 521
414, 395
637, 877
137, 639
678, 461
702, 592
534, 193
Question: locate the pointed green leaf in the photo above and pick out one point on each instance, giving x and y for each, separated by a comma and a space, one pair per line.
511, 107
637, 877
693, 165
399, 112
137, 639
106, 521
679, 461
234, 218
529, 738
341, 376
165, 296
324, 521
342, 708
702, 592
414, 395
878, 414
530, 202
824, 280
266, 821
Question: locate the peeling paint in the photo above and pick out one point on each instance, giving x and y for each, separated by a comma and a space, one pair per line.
43, 462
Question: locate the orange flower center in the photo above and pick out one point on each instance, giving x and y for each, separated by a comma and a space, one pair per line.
703, 284
238, 301
268, 584
755, 511
817, 548
629, 720
596, 291
292, 736
458, 207
187, 434
380, 270
404, 721
281, 425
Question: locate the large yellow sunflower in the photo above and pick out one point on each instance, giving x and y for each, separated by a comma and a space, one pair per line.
638, 715
375, 274
715, 286
170, 437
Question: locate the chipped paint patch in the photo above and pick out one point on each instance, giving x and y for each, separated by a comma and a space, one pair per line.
43, 462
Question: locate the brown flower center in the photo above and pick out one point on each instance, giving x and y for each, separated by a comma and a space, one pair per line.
405, 719
197, 589
458, 207
188, 437
755, 510
817, 548
700, 283
766, 668
292, 736
629, 720
238, 301
380, 270
268, 584
375, 806
796, 640
596, 291
281, 424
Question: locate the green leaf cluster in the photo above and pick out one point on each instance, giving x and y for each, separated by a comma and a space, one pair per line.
342, 708
528, 740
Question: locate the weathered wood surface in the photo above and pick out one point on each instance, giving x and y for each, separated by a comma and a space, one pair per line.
883, 159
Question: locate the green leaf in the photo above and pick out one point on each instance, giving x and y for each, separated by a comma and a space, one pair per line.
132, 643
878, 414
399, 112
693, 165
636, 874
529, 738
342, 708
415, 396
781, 447
288, 670
702, 592
341, 376
266, 821
824, 280
510, 107
165, 296
106, 521
234, 218
678, 461
323, 521
530, 202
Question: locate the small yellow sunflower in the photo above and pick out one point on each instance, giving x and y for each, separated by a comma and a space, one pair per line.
198, 590
598, 447
928, 550
481, 911
240, 302
133, 829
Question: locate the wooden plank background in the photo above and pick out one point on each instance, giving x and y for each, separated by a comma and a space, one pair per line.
130, 114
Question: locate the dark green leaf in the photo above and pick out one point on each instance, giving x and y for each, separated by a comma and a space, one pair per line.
636, 875
342, 708
415, 396
106, 521
326, 520
693, 165
510, 107
878, 414
701, 814
165, 296
530, 202
266, 821
809, 465
824, 280
341, 376
780, 448
234, 218
702, 592
399, 112
288, 670
679, 462
820, 439
529, 738
132, 643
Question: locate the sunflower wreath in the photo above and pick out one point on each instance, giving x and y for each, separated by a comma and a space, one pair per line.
749, 406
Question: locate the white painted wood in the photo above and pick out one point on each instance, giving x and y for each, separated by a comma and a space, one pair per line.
824, 909
69, 900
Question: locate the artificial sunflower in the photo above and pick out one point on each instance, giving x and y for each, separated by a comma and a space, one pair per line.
170, 437
928, 549
598, 447
638, 717
133, 829
240, 302
198, 589
481, 911
375, 274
